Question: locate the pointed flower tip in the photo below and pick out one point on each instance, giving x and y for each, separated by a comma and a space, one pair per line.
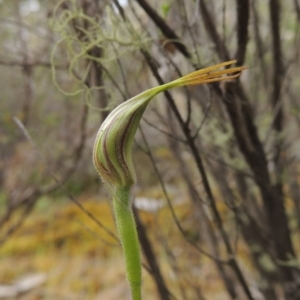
212, 74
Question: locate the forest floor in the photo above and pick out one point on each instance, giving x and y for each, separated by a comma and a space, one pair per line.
74, 259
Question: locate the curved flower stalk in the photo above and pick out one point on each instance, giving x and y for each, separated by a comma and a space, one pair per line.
113, 159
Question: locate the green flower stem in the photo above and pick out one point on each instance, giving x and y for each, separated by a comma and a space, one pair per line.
129, 239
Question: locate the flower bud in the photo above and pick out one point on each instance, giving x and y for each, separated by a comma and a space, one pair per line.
112, 150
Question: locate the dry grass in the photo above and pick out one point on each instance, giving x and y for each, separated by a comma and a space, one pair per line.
66, 245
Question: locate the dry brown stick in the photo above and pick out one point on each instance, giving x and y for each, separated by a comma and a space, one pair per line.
297, 9
177, 222
259, 43
204, 222
278, 69
20, 220
30, 64
243, 13
58, 182
212, 31
163, 26
276, 96
148, 251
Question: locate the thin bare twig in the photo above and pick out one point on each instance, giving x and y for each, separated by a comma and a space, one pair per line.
58, 182
177, 222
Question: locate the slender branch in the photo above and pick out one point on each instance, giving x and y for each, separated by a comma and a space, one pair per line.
30, 64
259, 43
214, 35
297, 9
172, 136
242, 30
204, 223
148, 251
164, 27
59, 185
274, 8
181, 230
20, 220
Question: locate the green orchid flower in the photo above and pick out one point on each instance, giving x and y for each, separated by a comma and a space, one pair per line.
112, 158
